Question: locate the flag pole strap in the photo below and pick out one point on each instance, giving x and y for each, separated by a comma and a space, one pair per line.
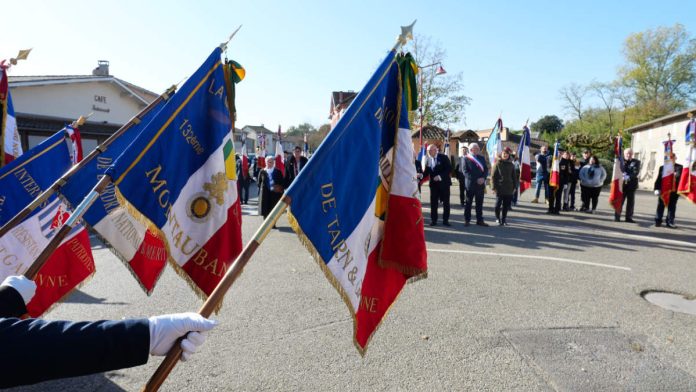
43, 196
33, 270
216, 297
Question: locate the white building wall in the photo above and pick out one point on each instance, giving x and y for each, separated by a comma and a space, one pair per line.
107, 102
648, 147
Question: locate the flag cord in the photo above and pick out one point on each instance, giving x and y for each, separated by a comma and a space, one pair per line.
216, 297
43, 196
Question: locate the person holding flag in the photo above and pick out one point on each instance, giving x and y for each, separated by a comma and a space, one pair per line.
668, 175
687, 183
243, 178
555, 183
630, 171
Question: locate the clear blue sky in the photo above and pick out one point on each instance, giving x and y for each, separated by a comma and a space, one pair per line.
514, 56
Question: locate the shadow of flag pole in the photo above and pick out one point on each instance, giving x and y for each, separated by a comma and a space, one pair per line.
216, 297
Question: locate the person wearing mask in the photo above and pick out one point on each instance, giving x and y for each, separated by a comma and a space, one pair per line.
592, 177
270, 183
438, 168
584, 200
503, 182
574, 177
631, 170
461, 161
673, 197
542, 173
475, 174
35, 350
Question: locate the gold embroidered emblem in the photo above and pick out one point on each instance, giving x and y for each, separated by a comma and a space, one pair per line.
217, 187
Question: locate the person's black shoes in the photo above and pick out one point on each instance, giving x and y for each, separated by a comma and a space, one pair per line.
433, 223
446, 224
629, 220
484, 224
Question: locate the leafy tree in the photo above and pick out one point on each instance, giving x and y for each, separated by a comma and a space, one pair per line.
660, 69
547, 124
300, 130
443, 98
315, 138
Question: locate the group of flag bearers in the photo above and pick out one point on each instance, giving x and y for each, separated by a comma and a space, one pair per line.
162, 190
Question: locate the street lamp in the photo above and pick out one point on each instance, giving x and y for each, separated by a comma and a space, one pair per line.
440, 71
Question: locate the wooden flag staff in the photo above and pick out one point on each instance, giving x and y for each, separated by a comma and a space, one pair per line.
20, 216
67, 227
216, 297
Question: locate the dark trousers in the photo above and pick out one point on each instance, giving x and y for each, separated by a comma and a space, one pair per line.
243, 188
462, 192
671, 209
471, 196
555, 198
502, 206
629, 200
439, 192
584, 198
571, 194
593, 196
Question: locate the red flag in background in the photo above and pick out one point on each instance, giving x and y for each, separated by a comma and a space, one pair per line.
279, 156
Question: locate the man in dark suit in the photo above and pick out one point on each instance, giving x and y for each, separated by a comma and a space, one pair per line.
475, 174
438, 168
631, 170
673, 197
293, 166
459, 170
243, 182
35, 350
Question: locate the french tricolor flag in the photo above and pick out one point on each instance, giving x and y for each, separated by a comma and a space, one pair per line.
668, 185
361, 217
525, 160
279, 155
554, 180
616, 192
687, 183
9, 135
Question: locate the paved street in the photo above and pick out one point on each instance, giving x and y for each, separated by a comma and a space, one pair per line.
547, 303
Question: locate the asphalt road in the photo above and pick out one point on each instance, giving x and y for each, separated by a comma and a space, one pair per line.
546, 303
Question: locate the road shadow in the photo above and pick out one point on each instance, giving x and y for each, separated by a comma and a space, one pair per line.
80, 297
95, 382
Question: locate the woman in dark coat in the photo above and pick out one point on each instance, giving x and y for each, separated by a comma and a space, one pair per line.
270, 187
504, 183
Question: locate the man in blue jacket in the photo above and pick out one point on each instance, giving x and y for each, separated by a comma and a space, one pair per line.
35, 350
475, 174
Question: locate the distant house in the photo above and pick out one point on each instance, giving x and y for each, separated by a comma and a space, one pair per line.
252, 135
646, 142
44, 104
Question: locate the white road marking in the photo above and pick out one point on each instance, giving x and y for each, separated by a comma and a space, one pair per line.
536, 257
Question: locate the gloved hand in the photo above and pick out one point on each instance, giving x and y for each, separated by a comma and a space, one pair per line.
626, 177
25, 287
657, 193
166, 329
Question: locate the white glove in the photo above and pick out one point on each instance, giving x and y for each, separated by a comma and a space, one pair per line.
437, 178
166, 329
626, 177
25, 287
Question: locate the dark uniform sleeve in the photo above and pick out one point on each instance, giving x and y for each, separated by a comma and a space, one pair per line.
36, 350
11, 303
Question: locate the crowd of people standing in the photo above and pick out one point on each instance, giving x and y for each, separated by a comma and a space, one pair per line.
472, 172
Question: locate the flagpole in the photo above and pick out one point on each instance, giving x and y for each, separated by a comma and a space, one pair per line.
216, 297
43, 196
80, 210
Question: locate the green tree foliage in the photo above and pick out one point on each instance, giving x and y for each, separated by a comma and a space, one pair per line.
300, 130
443, 98
661, 70
547, 124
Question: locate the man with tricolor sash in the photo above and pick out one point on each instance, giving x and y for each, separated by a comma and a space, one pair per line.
361, 218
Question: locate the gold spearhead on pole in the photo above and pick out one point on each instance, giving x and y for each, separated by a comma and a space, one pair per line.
22, 55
